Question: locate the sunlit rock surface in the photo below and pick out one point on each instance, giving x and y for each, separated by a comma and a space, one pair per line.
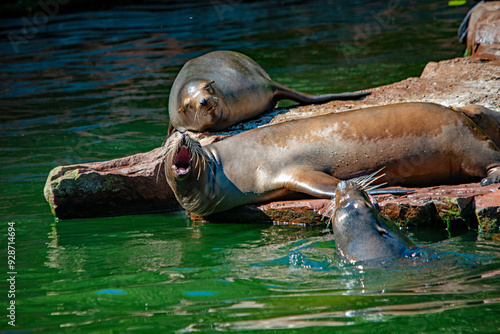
134, 184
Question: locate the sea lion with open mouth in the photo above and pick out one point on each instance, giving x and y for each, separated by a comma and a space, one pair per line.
419, 144
222, 88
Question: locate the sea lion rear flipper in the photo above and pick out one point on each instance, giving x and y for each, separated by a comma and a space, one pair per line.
284, 93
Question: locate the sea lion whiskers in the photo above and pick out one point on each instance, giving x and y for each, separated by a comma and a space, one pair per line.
178, 150
162, 163
362, 182
197, 154
365, 180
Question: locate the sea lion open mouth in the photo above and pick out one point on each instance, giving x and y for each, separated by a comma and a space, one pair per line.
184, 155
182, 161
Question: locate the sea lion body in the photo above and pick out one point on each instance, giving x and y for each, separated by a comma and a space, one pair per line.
419, 144
361, 232
222, 88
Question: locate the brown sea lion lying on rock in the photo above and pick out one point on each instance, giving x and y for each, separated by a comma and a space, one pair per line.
419, 144
222, 88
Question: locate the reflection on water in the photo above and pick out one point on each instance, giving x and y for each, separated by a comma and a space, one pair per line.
94, 86
266, 277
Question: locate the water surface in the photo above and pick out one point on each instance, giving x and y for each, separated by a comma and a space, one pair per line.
92, 86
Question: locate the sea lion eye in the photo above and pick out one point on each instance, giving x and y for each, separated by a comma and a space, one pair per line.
209, 85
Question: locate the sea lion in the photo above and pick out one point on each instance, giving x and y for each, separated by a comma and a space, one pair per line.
419, 144
222, 88
361, 232
488, 120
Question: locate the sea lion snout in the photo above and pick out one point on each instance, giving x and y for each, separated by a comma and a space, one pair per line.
180, 154
184, 156
182, 161
342, 185
198, 107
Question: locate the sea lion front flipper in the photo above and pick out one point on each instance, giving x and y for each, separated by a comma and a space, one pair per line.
314, 183
493, 176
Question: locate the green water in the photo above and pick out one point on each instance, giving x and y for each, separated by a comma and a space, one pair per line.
94, 85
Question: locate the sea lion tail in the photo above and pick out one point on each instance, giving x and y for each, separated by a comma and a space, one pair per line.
284, 93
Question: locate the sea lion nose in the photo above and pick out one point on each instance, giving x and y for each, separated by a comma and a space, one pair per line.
203, 101
342, 185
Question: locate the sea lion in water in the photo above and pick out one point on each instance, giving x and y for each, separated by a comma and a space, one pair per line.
222, 88
361, 232
419, 144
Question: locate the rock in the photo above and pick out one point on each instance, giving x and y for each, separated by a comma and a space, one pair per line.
444, 207
447, 206
306, 212
488, 212
484, 27
134, 184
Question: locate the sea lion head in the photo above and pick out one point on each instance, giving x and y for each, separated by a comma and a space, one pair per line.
198, 106
487, 119
184, 158
187, 165
360, 231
